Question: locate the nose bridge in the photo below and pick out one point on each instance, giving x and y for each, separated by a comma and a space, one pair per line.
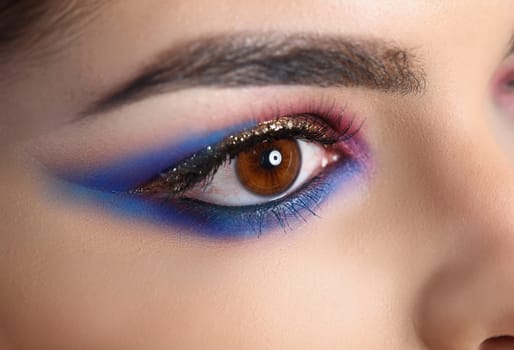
469, 297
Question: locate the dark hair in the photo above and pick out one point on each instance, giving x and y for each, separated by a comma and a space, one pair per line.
26, 24
16, 17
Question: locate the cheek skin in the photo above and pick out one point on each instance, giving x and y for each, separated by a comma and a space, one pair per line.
81, 279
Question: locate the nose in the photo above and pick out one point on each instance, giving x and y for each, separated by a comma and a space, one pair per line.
468, 301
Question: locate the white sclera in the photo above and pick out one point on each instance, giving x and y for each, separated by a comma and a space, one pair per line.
225, 188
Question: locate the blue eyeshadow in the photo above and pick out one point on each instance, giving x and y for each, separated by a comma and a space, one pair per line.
220, 222
125, 174
108, 188
282, 214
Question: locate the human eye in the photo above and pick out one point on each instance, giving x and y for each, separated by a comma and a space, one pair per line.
503, 85
271, 173
263, 176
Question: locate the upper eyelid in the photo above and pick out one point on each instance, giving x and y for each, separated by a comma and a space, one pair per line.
200, 166
126, 173
122, 166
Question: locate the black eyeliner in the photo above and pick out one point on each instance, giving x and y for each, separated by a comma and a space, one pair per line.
201, 166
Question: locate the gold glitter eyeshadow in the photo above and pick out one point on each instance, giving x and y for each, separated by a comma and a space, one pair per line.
201, 166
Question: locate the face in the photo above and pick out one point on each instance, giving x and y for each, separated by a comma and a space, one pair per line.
261, 174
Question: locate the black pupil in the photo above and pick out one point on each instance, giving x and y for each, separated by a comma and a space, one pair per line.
266, 161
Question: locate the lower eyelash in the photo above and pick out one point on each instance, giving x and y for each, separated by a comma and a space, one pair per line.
218, 222
222, 222
253, 220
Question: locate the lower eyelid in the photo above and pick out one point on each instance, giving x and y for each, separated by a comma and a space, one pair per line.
293, 210
216, 222
283, 214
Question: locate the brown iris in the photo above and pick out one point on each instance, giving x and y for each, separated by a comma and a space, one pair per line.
269, 168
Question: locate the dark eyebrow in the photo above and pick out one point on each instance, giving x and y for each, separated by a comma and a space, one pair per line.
229, 61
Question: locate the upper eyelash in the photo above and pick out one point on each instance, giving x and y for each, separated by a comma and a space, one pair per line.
125, 173
202, 166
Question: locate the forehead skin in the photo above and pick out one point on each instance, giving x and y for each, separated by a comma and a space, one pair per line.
98, 283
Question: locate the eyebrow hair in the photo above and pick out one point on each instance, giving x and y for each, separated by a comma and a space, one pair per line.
246, 59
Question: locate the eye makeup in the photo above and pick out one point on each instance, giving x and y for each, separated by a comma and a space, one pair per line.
503, 86
204, 164
126, 173
153, 186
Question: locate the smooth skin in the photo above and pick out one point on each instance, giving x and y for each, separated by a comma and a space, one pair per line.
419, 255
